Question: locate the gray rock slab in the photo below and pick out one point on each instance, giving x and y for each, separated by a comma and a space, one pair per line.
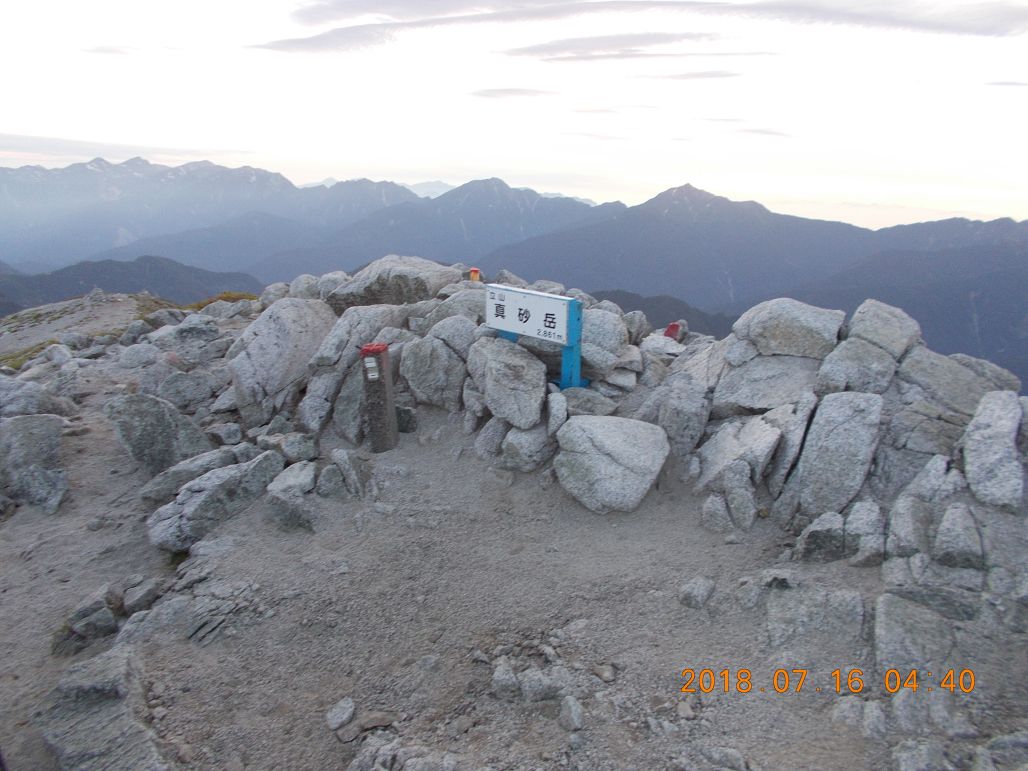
790, 328
153, 432
512, 380
89, 720
945, 382
165, 486
24, 397
958, 543
585, 401
211, 499
838, 450
792, 421
763, 383
30, 460
186, 390
393, 280
683, 413
526, 449
609, 463
458, 332
750, 440
884, 326
992, 462
434, 371
856, 365
1002, 379
270, 365
908, 636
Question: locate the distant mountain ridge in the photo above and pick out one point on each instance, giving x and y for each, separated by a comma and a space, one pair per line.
157, 275
463, 224
64, 215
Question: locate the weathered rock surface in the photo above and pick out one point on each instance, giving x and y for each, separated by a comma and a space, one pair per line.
526, 449
838, 451
30, 460
90, 718
163, 487
790, 328
585, 401
23, 397
856, 365
434, 372
763, 383
512, 381
992, 462
609, 463
884, 326
393, 280
211, 499
943, 381
684, 412
154, 432
270, 363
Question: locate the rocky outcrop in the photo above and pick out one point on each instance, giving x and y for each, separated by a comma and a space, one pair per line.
393, 280
992, 463
512, 381
153, 432
434, 372
24, 397
210, 499
91, 719
785, 327
838, 451
269, 362
30, 460
607, 463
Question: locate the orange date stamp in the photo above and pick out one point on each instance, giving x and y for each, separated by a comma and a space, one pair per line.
840, 681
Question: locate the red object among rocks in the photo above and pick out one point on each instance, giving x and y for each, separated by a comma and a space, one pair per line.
373, 349
673, 330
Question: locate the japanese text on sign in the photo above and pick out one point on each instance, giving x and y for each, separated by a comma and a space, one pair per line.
526, 312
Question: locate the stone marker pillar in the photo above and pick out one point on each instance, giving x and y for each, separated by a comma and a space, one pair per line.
378, 397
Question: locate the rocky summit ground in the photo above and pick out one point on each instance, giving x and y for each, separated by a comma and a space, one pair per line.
799, 547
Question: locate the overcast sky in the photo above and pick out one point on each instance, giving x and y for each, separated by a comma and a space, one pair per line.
874, 112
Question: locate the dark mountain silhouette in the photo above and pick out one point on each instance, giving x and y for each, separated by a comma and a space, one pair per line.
663, 309
463, 224
687, 243
7, 270
972, 300
721, 255
64, 215
157, 275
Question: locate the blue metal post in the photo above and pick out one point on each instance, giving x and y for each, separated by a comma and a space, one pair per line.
571, 357
512, 336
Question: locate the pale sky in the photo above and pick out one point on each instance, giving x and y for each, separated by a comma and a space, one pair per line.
873, 112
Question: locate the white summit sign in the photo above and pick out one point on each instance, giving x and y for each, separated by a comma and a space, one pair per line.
524, 312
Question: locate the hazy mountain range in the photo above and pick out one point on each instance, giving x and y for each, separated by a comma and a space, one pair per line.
964, 280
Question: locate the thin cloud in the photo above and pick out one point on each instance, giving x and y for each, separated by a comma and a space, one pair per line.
588, 135
626, 46
994, 19
109, 50
507, 93
60, 147
723, 120
764, 132
701, 75
1007, 83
